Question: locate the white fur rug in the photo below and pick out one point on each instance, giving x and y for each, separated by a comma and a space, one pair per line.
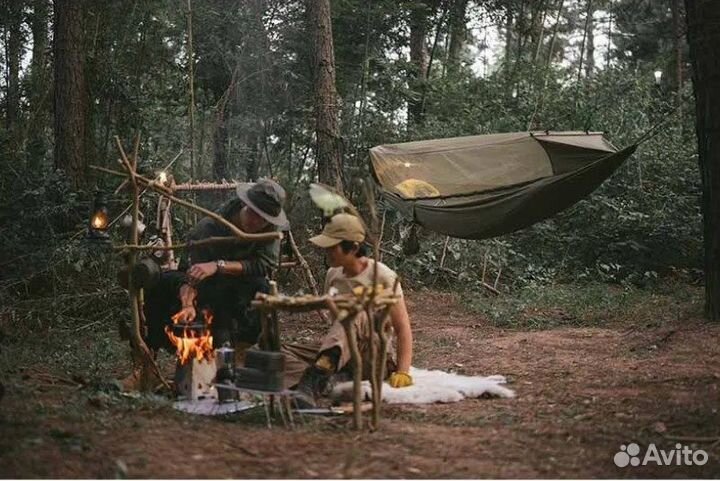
433, 387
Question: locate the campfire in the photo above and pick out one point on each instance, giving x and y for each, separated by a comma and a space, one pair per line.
195, 369
192, 340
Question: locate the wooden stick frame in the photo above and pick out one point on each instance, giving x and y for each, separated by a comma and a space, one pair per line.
141, 353
344, 309
140, 350
376, 304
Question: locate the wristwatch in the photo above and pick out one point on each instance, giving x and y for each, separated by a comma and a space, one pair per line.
220, 266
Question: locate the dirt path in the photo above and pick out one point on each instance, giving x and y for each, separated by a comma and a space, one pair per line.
582, 392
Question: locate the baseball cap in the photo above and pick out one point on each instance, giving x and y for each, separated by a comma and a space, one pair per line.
341, 227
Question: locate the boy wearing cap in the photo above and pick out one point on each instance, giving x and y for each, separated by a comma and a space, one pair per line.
342, 239
222, 277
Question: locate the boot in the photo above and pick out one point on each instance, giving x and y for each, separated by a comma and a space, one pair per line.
312, 385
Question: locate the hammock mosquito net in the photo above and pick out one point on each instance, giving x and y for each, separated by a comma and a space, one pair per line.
488, 185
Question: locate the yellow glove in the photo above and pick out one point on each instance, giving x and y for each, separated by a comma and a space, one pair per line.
400, 379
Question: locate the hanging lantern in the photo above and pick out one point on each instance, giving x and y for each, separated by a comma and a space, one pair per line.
99, 220
658, 76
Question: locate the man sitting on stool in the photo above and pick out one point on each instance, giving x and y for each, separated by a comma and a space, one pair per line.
222, 277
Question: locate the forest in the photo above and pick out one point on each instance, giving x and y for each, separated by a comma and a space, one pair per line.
603, 317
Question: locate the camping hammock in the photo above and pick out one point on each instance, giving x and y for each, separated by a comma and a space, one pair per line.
489, 185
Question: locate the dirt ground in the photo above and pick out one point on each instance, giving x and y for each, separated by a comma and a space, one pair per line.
581, 394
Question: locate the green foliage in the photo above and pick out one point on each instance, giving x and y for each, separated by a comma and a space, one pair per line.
642, 223
252, 71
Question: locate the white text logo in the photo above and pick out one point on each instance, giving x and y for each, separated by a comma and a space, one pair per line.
629, 455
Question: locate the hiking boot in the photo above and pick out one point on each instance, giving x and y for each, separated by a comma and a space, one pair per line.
312, 386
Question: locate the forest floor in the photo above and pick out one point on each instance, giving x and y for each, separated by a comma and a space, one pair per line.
648, 373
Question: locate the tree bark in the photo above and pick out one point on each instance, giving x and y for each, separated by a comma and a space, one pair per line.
328, 146
458, 23
14, 54
419, 60
521, 32
539, 30
590, 51
508, 41
588, 16
551, 48
38, 96
677, 37
72, 130
703, 18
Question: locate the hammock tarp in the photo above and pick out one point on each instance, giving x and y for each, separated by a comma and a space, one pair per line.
489, 185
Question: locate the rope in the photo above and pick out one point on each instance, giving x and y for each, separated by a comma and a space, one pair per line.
655, 130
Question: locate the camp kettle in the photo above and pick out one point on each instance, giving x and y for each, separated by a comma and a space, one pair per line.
225, 362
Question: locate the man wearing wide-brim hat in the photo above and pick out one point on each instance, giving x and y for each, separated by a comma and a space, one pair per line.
221, 277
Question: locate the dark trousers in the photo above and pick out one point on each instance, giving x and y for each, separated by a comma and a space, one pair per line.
227, 297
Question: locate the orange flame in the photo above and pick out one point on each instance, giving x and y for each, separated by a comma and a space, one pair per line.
192, 343
99, 220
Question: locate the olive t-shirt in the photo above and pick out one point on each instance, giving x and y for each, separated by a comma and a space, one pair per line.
336, 278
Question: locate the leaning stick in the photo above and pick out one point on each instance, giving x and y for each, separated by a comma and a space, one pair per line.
379, 372
306, 268
375, 379
189, 245
347, 320
374, 387
304, 264
121, 186
162, 190
274, 324
138, 343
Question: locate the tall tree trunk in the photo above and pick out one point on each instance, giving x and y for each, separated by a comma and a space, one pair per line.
329, 164
677, 36
38, 95
588, 16
458, 23
551, 48
703, 18
72, 130
521, 32
419, 59
508, 41
610, 35
540, 31
590, 51
14, 54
